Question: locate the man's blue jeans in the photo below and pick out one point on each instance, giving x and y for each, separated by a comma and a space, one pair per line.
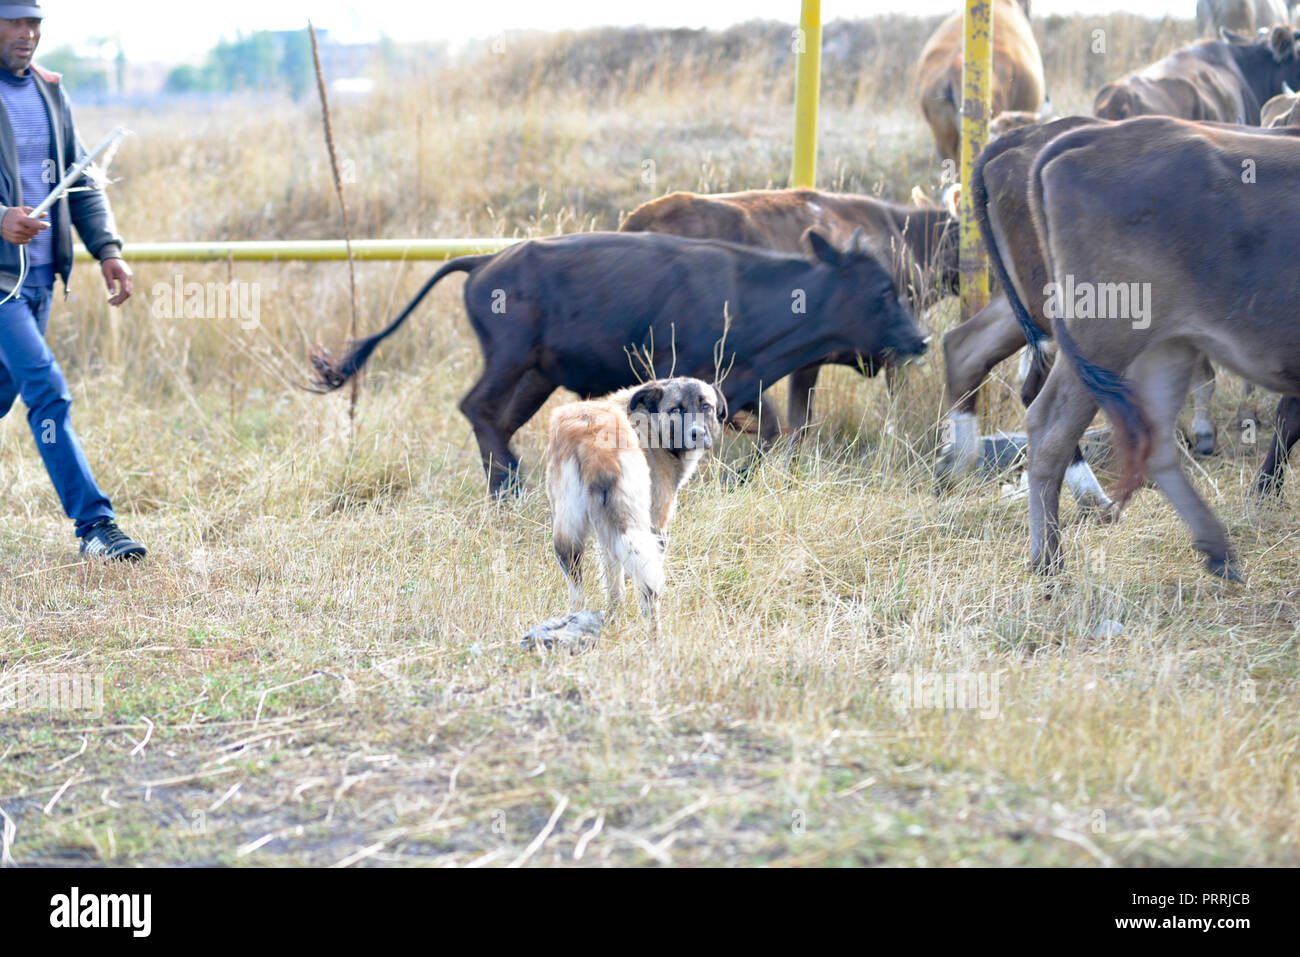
27, 368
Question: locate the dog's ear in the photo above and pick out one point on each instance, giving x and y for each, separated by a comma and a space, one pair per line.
721, 405
646, 398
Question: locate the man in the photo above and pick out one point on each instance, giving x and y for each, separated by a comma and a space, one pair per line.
38, 144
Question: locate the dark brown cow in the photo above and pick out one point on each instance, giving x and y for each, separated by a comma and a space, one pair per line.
577, 311
1017, 73
1224, 81
1122, 208
919, 242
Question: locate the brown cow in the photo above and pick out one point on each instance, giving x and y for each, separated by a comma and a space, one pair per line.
919, 242
974, 347
1017, 73
1122, 208
1224, 81
1237, 72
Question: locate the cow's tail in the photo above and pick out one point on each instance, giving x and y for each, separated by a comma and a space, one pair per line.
332, 373
1134, 436
980, 200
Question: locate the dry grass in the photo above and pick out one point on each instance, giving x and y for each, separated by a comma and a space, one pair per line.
320, 662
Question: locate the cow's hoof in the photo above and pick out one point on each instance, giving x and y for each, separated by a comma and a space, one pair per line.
948, 471
1204, 444
1102, 511
1268, 488
1225, 567
1047, 567
506, 489
741, 475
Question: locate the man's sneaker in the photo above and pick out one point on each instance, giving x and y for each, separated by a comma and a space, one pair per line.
110, 543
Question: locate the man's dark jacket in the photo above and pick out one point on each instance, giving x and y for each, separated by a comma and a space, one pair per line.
88, 210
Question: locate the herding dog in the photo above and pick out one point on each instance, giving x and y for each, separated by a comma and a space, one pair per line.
614, 468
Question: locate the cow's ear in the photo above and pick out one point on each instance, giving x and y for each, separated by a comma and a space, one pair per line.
1281, 40
820, 248
646, 398
1227, 36
721, 405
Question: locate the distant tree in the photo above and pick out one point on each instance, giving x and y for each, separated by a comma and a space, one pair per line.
81, 74
296, 67
188, 79
247, 63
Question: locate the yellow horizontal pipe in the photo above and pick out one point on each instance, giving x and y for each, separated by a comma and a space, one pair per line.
307, 250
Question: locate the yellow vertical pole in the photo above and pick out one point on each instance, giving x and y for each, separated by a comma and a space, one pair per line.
977, 71
808, 78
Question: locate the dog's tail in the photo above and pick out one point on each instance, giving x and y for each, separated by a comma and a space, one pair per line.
331, 373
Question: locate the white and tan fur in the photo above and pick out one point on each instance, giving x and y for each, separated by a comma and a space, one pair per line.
609, 476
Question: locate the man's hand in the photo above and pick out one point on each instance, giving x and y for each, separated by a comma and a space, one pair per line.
117, 276
19, 228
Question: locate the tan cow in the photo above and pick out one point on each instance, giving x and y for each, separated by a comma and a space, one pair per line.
1245, 16
1139, 292
1017, 73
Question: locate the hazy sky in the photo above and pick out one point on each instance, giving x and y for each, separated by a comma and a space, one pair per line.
184, 29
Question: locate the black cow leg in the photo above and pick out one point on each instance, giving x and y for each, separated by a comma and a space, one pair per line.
1285, 436
529, 396
769, 430
799, 403
485, 405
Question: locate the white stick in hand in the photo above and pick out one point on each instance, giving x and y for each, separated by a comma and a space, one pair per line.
75, 173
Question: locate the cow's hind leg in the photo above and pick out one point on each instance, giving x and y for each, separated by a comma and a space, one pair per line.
529, 395
1203, 431
1286, 434
485, 405
1082, 482
1161, 377
1056, 421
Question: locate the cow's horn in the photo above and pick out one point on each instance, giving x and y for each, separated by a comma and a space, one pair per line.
1286, 88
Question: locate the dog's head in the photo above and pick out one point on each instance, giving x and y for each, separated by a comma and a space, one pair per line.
679, 414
